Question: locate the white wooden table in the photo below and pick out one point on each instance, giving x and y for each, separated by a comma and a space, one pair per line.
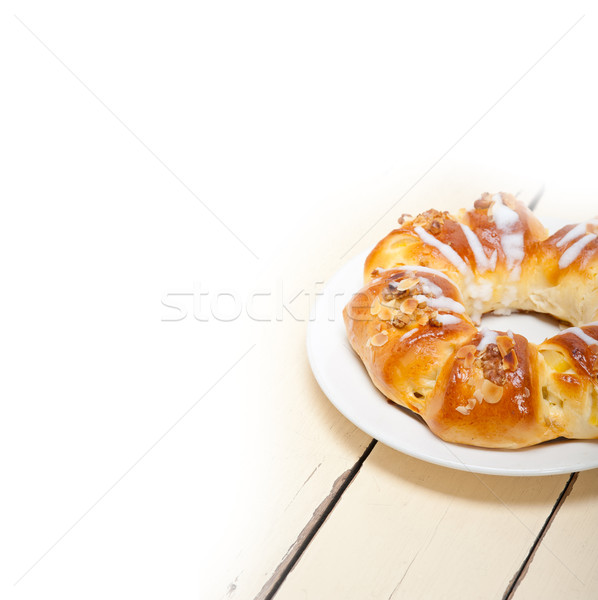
178, 183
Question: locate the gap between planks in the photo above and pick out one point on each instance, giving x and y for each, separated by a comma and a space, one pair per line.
339, 487
521, 573
320, 515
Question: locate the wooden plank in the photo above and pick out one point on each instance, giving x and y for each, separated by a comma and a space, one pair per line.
408, 529
564, 564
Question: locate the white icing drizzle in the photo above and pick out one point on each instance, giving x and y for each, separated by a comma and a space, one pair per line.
573, 251
506, 220
448, 319
582, 335
442, 303
444, 249
411, 269
577, 231
483, 262
488, 337
493, 259
429, 288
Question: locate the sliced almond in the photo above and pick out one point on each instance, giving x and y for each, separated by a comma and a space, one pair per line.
510, 361
465, 350
376, 306
407, 284
385, 314
505, 344
491, 392
463, 410
409, 305
379, 339
468, 354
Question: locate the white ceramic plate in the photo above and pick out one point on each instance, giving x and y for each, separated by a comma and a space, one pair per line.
345, 381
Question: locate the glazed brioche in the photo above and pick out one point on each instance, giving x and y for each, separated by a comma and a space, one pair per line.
414, 324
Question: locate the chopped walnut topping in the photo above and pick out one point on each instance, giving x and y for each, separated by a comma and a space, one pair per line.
492, 367
379, 339
409, 305
491, 392
404, 217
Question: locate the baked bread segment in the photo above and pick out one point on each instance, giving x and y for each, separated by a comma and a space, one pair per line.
405, 325
426, 286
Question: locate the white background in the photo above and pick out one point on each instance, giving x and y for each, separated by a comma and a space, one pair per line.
124, 127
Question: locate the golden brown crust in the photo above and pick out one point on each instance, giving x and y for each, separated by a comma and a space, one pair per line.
413, 324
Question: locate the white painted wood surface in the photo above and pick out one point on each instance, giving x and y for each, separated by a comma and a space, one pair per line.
407, 529
156, 447
564, 565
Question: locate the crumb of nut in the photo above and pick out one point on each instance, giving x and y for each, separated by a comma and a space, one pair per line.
377, 272
423, 319
505, 344
422, 304
465, 410
394, 290
483, 202
491, 392
510, 361
409, 305
433, 319
379, 339
397, 323
407, 284
435, 228
403, 218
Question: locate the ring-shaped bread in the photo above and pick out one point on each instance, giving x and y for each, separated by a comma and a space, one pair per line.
428, 283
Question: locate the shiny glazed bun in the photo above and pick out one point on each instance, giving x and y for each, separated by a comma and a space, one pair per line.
427, 284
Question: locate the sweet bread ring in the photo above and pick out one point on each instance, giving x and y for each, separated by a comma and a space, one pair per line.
414, 324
